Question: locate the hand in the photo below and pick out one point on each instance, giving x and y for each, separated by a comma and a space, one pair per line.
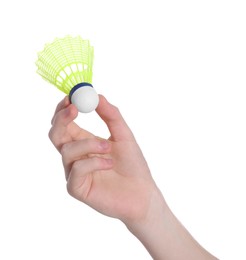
111, 175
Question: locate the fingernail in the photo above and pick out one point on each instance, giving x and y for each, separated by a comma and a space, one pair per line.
104, 145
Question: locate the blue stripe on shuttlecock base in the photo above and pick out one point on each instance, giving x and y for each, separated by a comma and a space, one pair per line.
80, 85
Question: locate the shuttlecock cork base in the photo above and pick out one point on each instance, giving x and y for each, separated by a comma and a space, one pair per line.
67, 63
84, 97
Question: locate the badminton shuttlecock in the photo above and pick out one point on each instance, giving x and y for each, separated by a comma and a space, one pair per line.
67, 64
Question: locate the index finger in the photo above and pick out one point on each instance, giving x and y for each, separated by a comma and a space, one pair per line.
62, 131
61, 105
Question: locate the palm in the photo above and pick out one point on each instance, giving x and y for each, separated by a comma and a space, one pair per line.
121, 192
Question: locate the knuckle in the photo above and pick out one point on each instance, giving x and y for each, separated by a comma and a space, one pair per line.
70, 189
51, 133
117, 110
53, 136
53, 119
76, 166
65, 149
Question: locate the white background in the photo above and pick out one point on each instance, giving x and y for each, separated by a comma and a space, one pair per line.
177, 71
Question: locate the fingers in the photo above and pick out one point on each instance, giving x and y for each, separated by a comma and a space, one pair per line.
74, 151
80, 178
112, 117
65, 116
61, 105
58, 133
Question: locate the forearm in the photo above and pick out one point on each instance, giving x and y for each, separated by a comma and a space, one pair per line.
164, 236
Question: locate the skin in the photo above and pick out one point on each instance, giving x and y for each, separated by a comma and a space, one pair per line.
112, 177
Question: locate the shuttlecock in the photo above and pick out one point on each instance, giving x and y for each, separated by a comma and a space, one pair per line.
67, 63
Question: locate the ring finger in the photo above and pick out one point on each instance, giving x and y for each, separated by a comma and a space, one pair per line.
80, 149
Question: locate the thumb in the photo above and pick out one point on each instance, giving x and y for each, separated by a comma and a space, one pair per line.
115, 122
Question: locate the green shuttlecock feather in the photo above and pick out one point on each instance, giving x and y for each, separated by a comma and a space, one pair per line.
67, 63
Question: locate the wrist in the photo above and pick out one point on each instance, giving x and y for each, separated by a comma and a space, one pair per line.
150, 229
154, 213
164, 236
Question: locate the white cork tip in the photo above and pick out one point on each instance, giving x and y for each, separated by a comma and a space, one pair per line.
85, 99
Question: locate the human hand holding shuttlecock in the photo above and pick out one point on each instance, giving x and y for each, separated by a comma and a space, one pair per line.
67, 63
